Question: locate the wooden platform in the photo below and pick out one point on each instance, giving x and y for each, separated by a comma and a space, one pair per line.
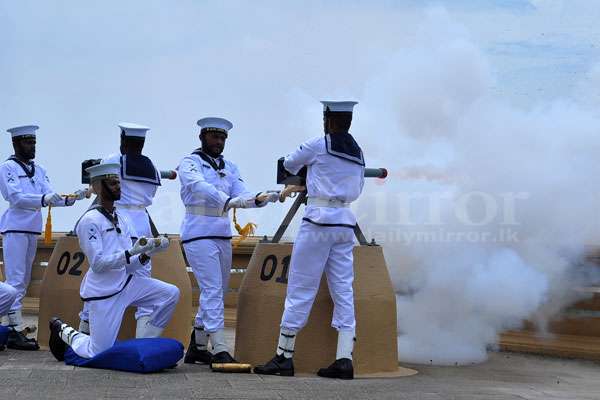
575, 334
241, 256
569, 346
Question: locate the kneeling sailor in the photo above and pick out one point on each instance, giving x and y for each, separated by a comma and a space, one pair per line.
111, 285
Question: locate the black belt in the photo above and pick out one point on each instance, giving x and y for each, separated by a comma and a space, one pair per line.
18, 231
206, 237
84, 299
329, 225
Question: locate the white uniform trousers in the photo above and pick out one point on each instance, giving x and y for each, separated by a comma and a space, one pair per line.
106, 315
211, 262
19, 251
8, 294
141, 222
318, 249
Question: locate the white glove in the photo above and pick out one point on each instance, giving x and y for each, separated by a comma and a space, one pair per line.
159, 246
53, 199
80, 194
270, 196
139, 248
236, 202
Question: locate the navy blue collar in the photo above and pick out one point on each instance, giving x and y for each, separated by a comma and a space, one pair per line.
28, 168
140, 169
113, 218
343, 145
216, 163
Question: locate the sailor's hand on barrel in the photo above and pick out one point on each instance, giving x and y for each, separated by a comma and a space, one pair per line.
53, 199
290, 191
269, 196
142, 245
236, 202
160, 244
164, 242
81, 194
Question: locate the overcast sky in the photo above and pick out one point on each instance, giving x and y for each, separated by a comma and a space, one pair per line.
77, 69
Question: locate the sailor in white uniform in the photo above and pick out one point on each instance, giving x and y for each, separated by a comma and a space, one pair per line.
139, 181
335, 178
210, 186
26, 187
8, 294
111, 284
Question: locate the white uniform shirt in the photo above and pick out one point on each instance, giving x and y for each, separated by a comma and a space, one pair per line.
203, 186
24, 196
105, 248
133, 192
327, 177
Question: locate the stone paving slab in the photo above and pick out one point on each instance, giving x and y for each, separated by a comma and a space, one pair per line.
36, 375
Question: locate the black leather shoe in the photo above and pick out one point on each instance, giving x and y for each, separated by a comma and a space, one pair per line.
279, 365
56, 344
193, 355
18, 341
223, 357
340, 369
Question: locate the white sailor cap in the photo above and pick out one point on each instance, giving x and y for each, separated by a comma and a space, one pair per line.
26, 130
136, 130
338, 106
103, 171
214, 124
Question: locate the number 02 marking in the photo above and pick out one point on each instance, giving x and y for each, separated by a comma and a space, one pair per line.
65, 260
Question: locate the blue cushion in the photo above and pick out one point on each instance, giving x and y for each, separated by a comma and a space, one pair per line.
3, 335
135, 355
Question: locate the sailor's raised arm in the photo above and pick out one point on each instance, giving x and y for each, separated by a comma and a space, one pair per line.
305, 154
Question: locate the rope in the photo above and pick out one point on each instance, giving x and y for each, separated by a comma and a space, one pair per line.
244, 232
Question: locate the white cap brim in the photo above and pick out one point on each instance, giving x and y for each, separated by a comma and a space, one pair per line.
339, 106
216, 123
102, 170
135, 130
25, 130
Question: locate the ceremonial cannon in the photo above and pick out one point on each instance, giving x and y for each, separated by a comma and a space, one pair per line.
262, 295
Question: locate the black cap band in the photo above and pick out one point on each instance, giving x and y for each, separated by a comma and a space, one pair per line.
103, 177
219, 130
328, 112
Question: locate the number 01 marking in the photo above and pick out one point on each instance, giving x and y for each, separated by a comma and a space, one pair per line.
65, 260
269, 268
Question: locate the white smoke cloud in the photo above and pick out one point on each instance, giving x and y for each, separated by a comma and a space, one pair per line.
498, 239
